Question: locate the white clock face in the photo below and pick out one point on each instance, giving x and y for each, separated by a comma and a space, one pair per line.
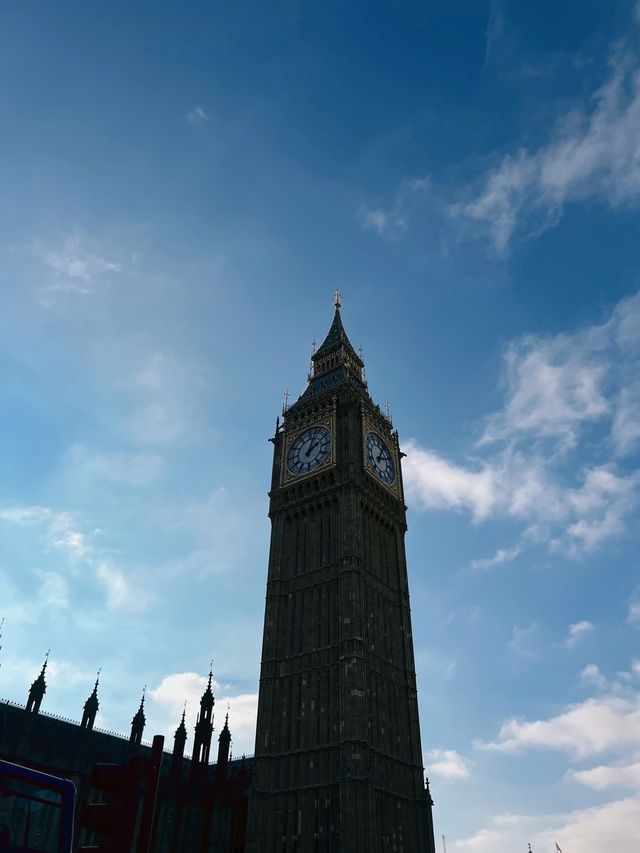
380, 458
308, 450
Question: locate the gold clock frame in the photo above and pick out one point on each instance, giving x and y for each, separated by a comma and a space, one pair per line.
328, 421
369, 424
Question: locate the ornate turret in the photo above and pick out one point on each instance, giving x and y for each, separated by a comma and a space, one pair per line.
137, 724
91, 707
37, 690
204, 729
179, 740
224, 744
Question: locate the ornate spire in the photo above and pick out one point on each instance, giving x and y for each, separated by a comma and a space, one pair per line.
224, 747
38, 689
179, 740
204, 727
91, 707
138, 722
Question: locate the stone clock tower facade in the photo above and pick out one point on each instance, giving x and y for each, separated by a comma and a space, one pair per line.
338, 762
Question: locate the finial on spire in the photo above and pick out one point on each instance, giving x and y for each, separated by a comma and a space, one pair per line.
285, 404
97, 678
337, 299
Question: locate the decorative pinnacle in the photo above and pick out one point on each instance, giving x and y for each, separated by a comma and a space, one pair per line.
337, 299
285, 405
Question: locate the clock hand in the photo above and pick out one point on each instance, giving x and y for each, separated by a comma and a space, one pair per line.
312, 447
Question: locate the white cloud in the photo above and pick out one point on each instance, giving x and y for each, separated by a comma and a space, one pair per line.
169, 697
437, 483
625, 431
592, 676
523, 641
633, 616
609, 826
197, 115
592, 153
62, 527
120, 591
387, 222
74, 267
394, 220
447, 764
539, 459
577, 631
502, 555
609, 723
609, 776
554, 386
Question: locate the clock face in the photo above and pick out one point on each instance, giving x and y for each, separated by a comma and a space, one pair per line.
309, 450
380, 458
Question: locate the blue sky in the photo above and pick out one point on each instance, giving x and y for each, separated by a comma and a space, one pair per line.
183, 189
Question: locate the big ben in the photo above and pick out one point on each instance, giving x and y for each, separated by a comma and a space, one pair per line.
338, 761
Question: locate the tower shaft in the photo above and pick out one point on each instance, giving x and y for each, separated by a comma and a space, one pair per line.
338, 760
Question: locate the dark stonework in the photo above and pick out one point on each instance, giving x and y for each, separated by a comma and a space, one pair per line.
201, 812
338, 761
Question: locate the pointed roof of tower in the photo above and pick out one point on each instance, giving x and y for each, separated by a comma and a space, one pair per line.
40, 682
336, 336
92, 702
207, 697
334, 362
181, 731
139, 717
224, 732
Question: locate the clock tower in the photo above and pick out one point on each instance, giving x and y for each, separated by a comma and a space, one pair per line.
338, 762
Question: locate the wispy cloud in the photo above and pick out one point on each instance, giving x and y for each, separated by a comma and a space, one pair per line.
197, 115
593, 152
74, 267
611, 826
542, 457
62, 528
606, 724
592, 677
63, 531
577, 631
392, 220
502, 555
633, 614
524, 641
448, 764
